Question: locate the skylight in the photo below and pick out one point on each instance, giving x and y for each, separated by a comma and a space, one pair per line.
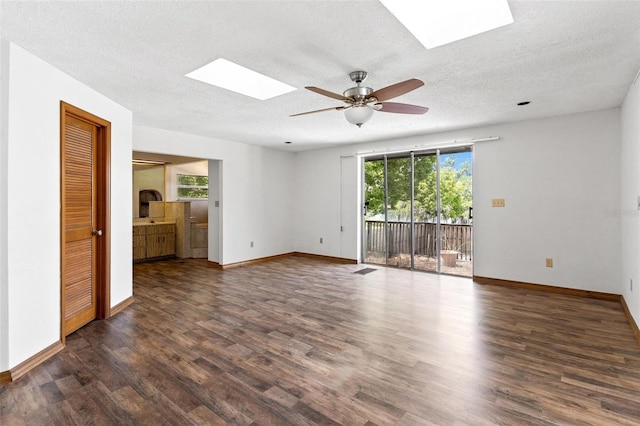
234, 77
438, 22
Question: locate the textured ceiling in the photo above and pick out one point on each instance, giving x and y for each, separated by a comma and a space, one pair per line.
563, 56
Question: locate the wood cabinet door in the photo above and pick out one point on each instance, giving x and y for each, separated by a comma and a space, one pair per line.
169, 245
139, 242
161, 244
161, 240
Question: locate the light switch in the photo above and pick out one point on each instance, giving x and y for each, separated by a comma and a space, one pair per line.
497, 202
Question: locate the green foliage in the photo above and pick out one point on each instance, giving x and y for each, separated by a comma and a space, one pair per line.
191, 186
193, 193
455, 188
191, 180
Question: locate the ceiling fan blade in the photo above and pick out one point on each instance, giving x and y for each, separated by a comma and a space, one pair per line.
402, 108
329, 94
318, 110
397, 89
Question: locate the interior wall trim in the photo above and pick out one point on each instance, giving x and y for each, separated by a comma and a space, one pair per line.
249, 262
332, 259
632, 322
32, 362
5, 377
122, 305
547, 288
567, 291
213, 264
426, 147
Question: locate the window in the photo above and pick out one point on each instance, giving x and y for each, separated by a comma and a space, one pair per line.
191, 186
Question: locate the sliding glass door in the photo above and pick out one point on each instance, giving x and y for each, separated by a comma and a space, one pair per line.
418, 211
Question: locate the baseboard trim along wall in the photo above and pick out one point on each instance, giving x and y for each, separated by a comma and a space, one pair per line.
632, 322
5, 377
30, 363
25, 366
249, 262
280, 256
566, 291
547, 288
122, 306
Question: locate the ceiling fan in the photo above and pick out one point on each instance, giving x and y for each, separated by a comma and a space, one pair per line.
362, 101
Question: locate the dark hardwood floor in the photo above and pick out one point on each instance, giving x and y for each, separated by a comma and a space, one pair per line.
301, 341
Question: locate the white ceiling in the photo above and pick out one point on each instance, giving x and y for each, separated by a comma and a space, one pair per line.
563, 56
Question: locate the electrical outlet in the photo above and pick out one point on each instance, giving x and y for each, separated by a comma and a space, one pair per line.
251, 244
549, 262
320, 240
497, 202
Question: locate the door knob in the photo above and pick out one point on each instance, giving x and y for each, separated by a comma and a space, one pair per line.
97, 232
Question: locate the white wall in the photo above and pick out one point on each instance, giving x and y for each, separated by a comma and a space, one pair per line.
559, 177
256, 188
327, 195
317, 203
215, 212
4, 226
630, 193
32, 209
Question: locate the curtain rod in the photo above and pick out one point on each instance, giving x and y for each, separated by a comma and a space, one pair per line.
439, 145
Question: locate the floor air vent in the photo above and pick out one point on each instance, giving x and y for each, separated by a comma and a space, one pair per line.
365, 271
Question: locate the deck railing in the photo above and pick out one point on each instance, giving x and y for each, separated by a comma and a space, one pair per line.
453, 237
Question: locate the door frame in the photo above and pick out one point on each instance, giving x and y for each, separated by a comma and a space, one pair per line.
103, 207
410, 154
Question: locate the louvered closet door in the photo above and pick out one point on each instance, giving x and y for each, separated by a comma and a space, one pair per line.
79, 223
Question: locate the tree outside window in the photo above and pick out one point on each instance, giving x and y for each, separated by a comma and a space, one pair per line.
191, 186
455, 189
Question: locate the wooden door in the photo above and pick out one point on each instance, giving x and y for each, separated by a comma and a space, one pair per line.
84, 202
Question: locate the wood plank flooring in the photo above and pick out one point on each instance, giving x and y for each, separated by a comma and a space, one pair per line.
300, 341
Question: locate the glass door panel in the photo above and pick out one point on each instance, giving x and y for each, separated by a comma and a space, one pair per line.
375, 234
399, 211
425, 212
455, 212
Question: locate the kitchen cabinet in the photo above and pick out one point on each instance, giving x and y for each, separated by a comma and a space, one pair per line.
139, 242
153, 240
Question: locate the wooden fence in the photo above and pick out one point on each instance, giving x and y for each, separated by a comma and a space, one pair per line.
453, 237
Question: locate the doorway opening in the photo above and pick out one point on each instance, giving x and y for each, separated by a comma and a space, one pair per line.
180, 190
418, 211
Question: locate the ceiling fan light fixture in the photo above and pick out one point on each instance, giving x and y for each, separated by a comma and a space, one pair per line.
358, 114
362, 101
